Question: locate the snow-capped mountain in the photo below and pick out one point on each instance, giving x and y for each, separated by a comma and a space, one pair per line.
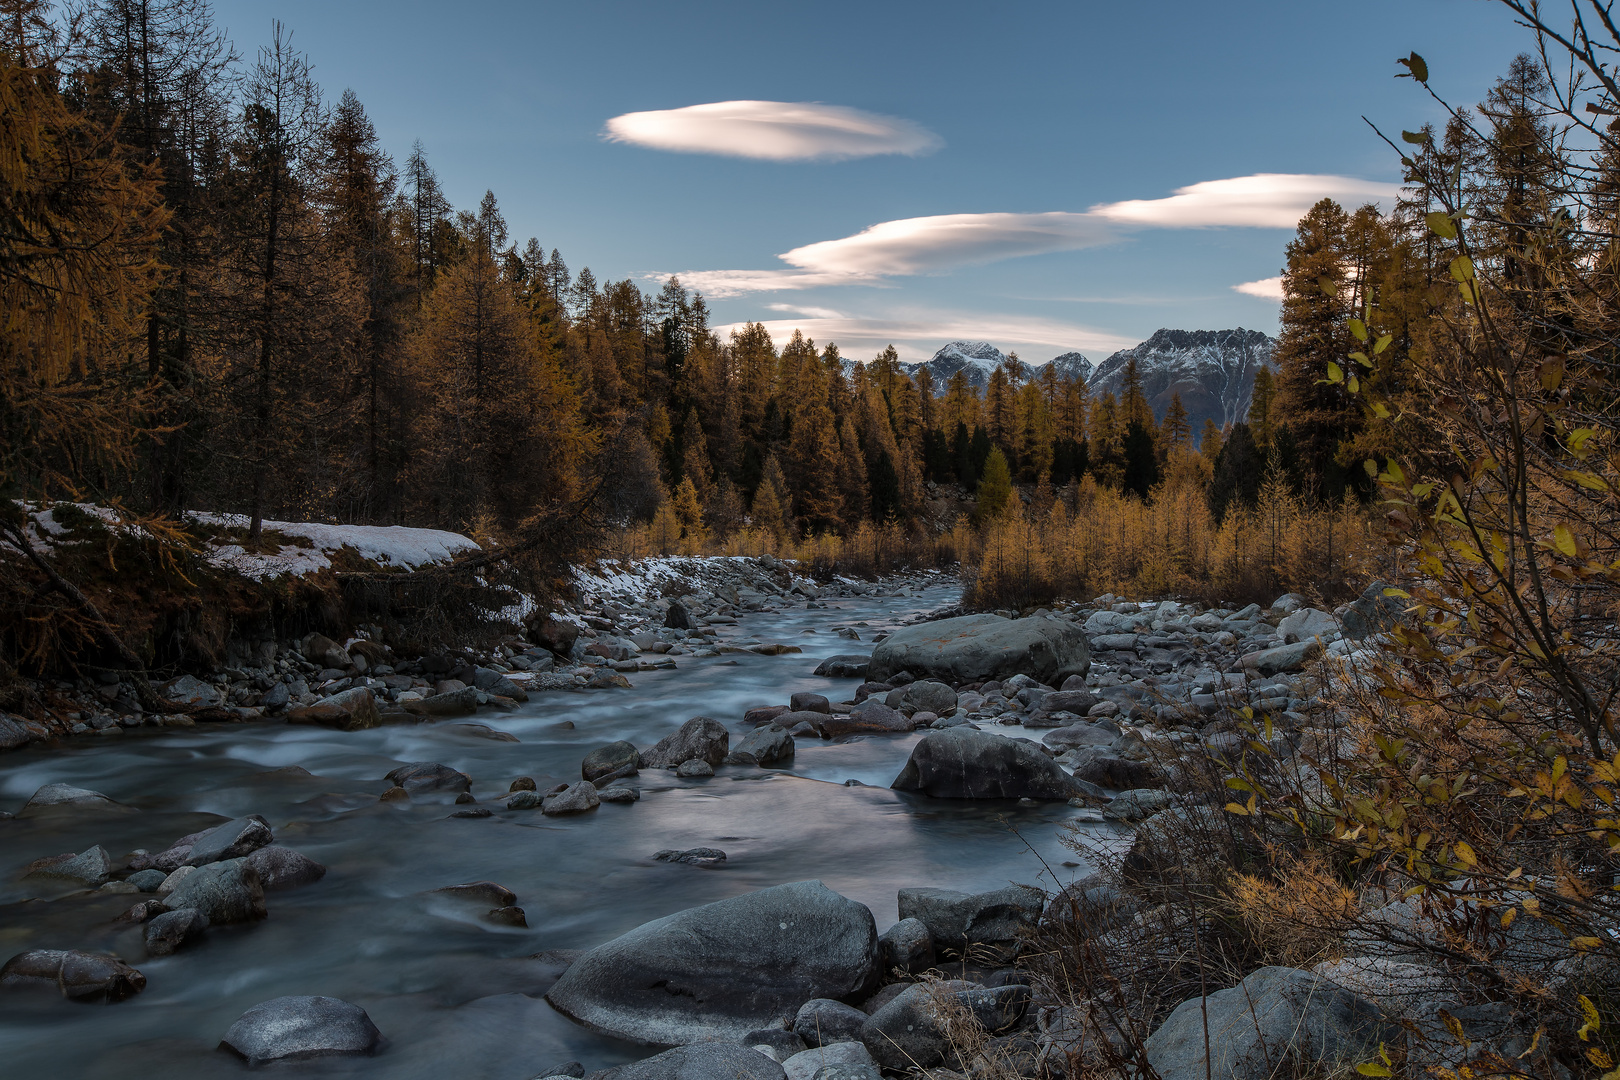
977, 359
1073, 365
1212, 370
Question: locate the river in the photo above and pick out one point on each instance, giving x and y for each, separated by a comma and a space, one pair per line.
456, 997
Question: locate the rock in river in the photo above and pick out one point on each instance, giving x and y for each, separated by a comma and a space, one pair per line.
429, 777
965, 763
89, 867
174, 930
225, 892
65, 798
301, 1027
77, 976
724, 969
976, 648
956, 920
617, 759
700, 737
232, 840
284, 868
763, 746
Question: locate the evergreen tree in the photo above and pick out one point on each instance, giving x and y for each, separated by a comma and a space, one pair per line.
1239, 470
1209, 441
1176, 429
995, 489
1141, 465
1261, 401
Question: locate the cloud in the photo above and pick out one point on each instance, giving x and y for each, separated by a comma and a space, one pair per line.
773, 131
1266, 288
1265, 200
725, 284
918, 333
925, 244
805, 312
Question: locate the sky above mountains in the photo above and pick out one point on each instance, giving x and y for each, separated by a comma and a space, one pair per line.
1046, 176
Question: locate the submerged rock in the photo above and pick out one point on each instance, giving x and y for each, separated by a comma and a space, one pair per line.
429, 777
77, 976
173, 930
301, 1027
89, 867
698, 856
65, 798
700, 738
724, 969
965, 763
977, 648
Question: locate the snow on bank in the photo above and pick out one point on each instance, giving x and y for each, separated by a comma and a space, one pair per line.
387, 545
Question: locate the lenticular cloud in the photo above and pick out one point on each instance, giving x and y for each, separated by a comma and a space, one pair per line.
773, 131
1264, 200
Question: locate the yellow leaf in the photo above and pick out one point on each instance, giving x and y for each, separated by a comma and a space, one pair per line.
1586, 943
1335, 373
1589, 1013
1465, 854
1237, 808
1359, 329
1564, 540
1442, 225
1372, 1068
1462, 268
1382, 343
1589, 481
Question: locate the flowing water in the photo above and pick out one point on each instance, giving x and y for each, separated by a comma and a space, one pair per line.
454, 996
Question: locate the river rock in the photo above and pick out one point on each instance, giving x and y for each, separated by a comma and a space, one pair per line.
700, 737
1074, 736
844, 666
89, 867
491, 681
322, 650
698, 856
480, 892
926, 695
956, 920
1371, 613
226, 892
677, 617
173, 930
617, 794
352, 710
1308, 624
301, 1027
977, 648
1078, 702
1283, 658
232, 840
821, 1021
77, 976
965, 763
147, 880
694, 769
908, 1031
13, 733
764, 714
1275, 1014
65, 798
776, 1042
841, 1054
805, 701
1119, 774
907, 946
704, 1061
763, 746
428, 778
724, 969
283, 868
462, 702
576, 800
191, 692
619, 759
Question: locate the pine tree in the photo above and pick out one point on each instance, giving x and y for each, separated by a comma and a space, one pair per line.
1209, 441
1176, 429
995, 489
1238, 473
1261, 403
1141, 465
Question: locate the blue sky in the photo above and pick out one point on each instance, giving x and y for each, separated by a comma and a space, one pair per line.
1054, 109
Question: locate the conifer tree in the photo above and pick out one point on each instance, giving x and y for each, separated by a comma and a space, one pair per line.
995, 489
1176, 428
1141, 461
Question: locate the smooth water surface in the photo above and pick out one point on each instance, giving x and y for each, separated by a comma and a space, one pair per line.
454, 996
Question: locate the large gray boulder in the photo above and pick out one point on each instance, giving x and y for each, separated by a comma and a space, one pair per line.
956, 920
821, 1021
808, 1064
965, 763
1308, 624
295, 1028
225, 892
614, 759
724, 969
705, 1061
77, 976
351, 710
975, 648
232, 840
1277, 1014
766, 745
700, 738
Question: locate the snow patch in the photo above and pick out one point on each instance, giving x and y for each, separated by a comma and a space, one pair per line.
392, 546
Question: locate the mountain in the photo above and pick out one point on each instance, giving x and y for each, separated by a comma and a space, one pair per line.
1072, 365
1212, 370
979, 358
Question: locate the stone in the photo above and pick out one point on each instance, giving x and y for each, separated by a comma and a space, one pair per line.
1283, 658
677, 617
1137, 804
566, 1068
322, 650
779, 1043
65, 798
354, 709
619, 795
1288, 603
1078, 702
977, 648
507, 916
232, 840
77, 976
429, 778
926, 695
1119, 774
821, 1021
1308, 624
694, 769
698, 856
965, 763
1074, 736
147, 880
174, 930
763, 746
616, 759
704, 1061
297, 1028
557, 635
89, 867
808, 1063
576, 800
174, 878
910, 1031
526, 800
192, 692
724, 969
764, 714
463, 702
276, 698
700, 737
1371, 613
603, 679
907, 946
852, 1072
283, 868
225, 892
805, 701
844, 666
395, 794
480, 892
1276, 1014
957, 920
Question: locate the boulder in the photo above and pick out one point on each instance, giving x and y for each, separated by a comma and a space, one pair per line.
1288, 603
1308, 624
486, 893
926, 695
323, 651
491, 681
225, 892
352, 710
1119, 774
77, 976
1276, 1014
65, 798
193, 693
700, 737
763, 746
89, 867
764, 714
965, 763
1078, 702
977, 648
576, 800
844, 1054
911, 1030
428, 778
232, 840
283, 868
1077, 735
957, 920
724, 969
1282, 658
693, 769
705, 1061
677, 617
615, 759
907, 946
13, 734
296, 1028
821, 1021
462, 702
555, 634
174, 930
844, 666
1371, 613
805, 701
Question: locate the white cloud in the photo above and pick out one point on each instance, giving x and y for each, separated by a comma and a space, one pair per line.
1265, 200
773, 131
725, 284
805, 312
918, 333
1266, 288
924, 244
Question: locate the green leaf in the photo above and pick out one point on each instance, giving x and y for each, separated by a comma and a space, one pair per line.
1361, 358
1469, 291
1416, 138
1416, 68
1371, 465
1462, 268
1335, 373
1358, 329
1372, 1068
1354, 384
1441, 225
1328, 286
1382, 343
